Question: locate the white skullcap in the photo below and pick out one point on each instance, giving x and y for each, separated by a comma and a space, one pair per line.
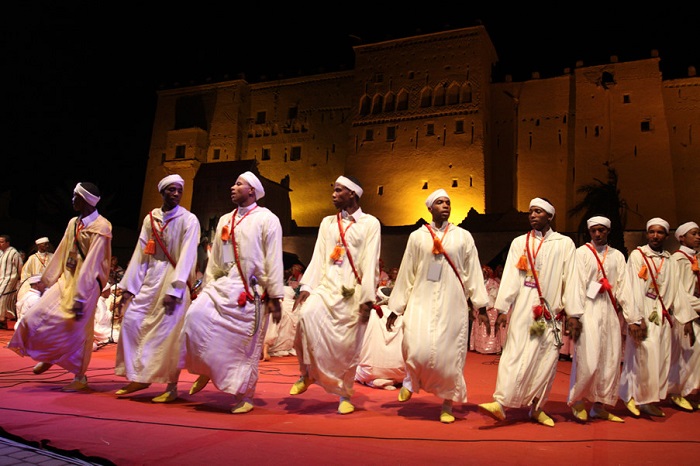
41, 240
434, 196
351, 185
660, 222
685, 228
34, 279
170, 179
383, 293
255, 183
598, 220
544, 205
87, 195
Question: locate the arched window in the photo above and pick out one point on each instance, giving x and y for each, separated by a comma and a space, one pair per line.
466, 96
402, 100
365, 105
377, 104
453, 94
439, 96
426, 97
390, 102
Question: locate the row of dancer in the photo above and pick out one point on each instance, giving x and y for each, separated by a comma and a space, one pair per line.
440, 267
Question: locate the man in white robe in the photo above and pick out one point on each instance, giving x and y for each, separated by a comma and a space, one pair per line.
439, 272
30, 298
60, 327
10, 272
538, 283
225, 326
603, 290
661, 301
381, 358
155, 295
686, 358
279, 338
337, 294
35, 265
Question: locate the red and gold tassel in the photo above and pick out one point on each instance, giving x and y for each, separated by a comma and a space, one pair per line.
225, 233
150, 247
522, 263
437, 246
694, 267
337, 253
643, 272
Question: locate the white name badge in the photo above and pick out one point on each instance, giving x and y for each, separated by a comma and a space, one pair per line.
593, 289
434, 271
227, 252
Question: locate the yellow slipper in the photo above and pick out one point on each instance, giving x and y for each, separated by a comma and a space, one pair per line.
632, 407
41, 367
405, 394
199, 384
242, 408
579, 410
601, 413
131, 388
541, 417
345, 407
300, 386
76, 386
166, 397
493, 409
446, 418
681, 402
651, 410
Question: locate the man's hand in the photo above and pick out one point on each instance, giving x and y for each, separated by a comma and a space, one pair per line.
365, 309
574, 326
169, 303
299, 300
122, 303
390, 321
638, 332
501, 320
483, 319
274, 307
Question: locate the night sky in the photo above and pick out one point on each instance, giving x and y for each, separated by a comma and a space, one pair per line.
80, 85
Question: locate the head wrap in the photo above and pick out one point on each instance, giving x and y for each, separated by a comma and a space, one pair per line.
660, 222
255, 183
383, 293
34, 279
434, 197
685, 228
89, 197
170, 179
351, 185
542, 204
41, 240
605, 221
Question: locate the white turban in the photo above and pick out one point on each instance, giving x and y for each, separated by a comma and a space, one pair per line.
542, 204
41, 240
170, 179
605, 221
351, 185
434, 196
660, 222
34, 279
685, 228
87, 195
254, 182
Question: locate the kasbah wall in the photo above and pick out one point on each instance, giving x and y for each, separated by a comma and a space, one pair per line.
421, 113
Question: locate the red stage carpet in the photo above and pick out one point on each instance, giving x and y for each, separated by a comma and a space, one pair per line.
306, 429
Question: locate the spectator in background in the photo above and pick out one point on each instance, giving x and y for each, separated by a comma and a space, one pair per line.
36, 289
10, 271
36, 264
483, 340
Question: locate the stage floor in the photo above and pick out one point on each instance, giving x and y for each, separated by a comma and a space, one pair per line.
306, 429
